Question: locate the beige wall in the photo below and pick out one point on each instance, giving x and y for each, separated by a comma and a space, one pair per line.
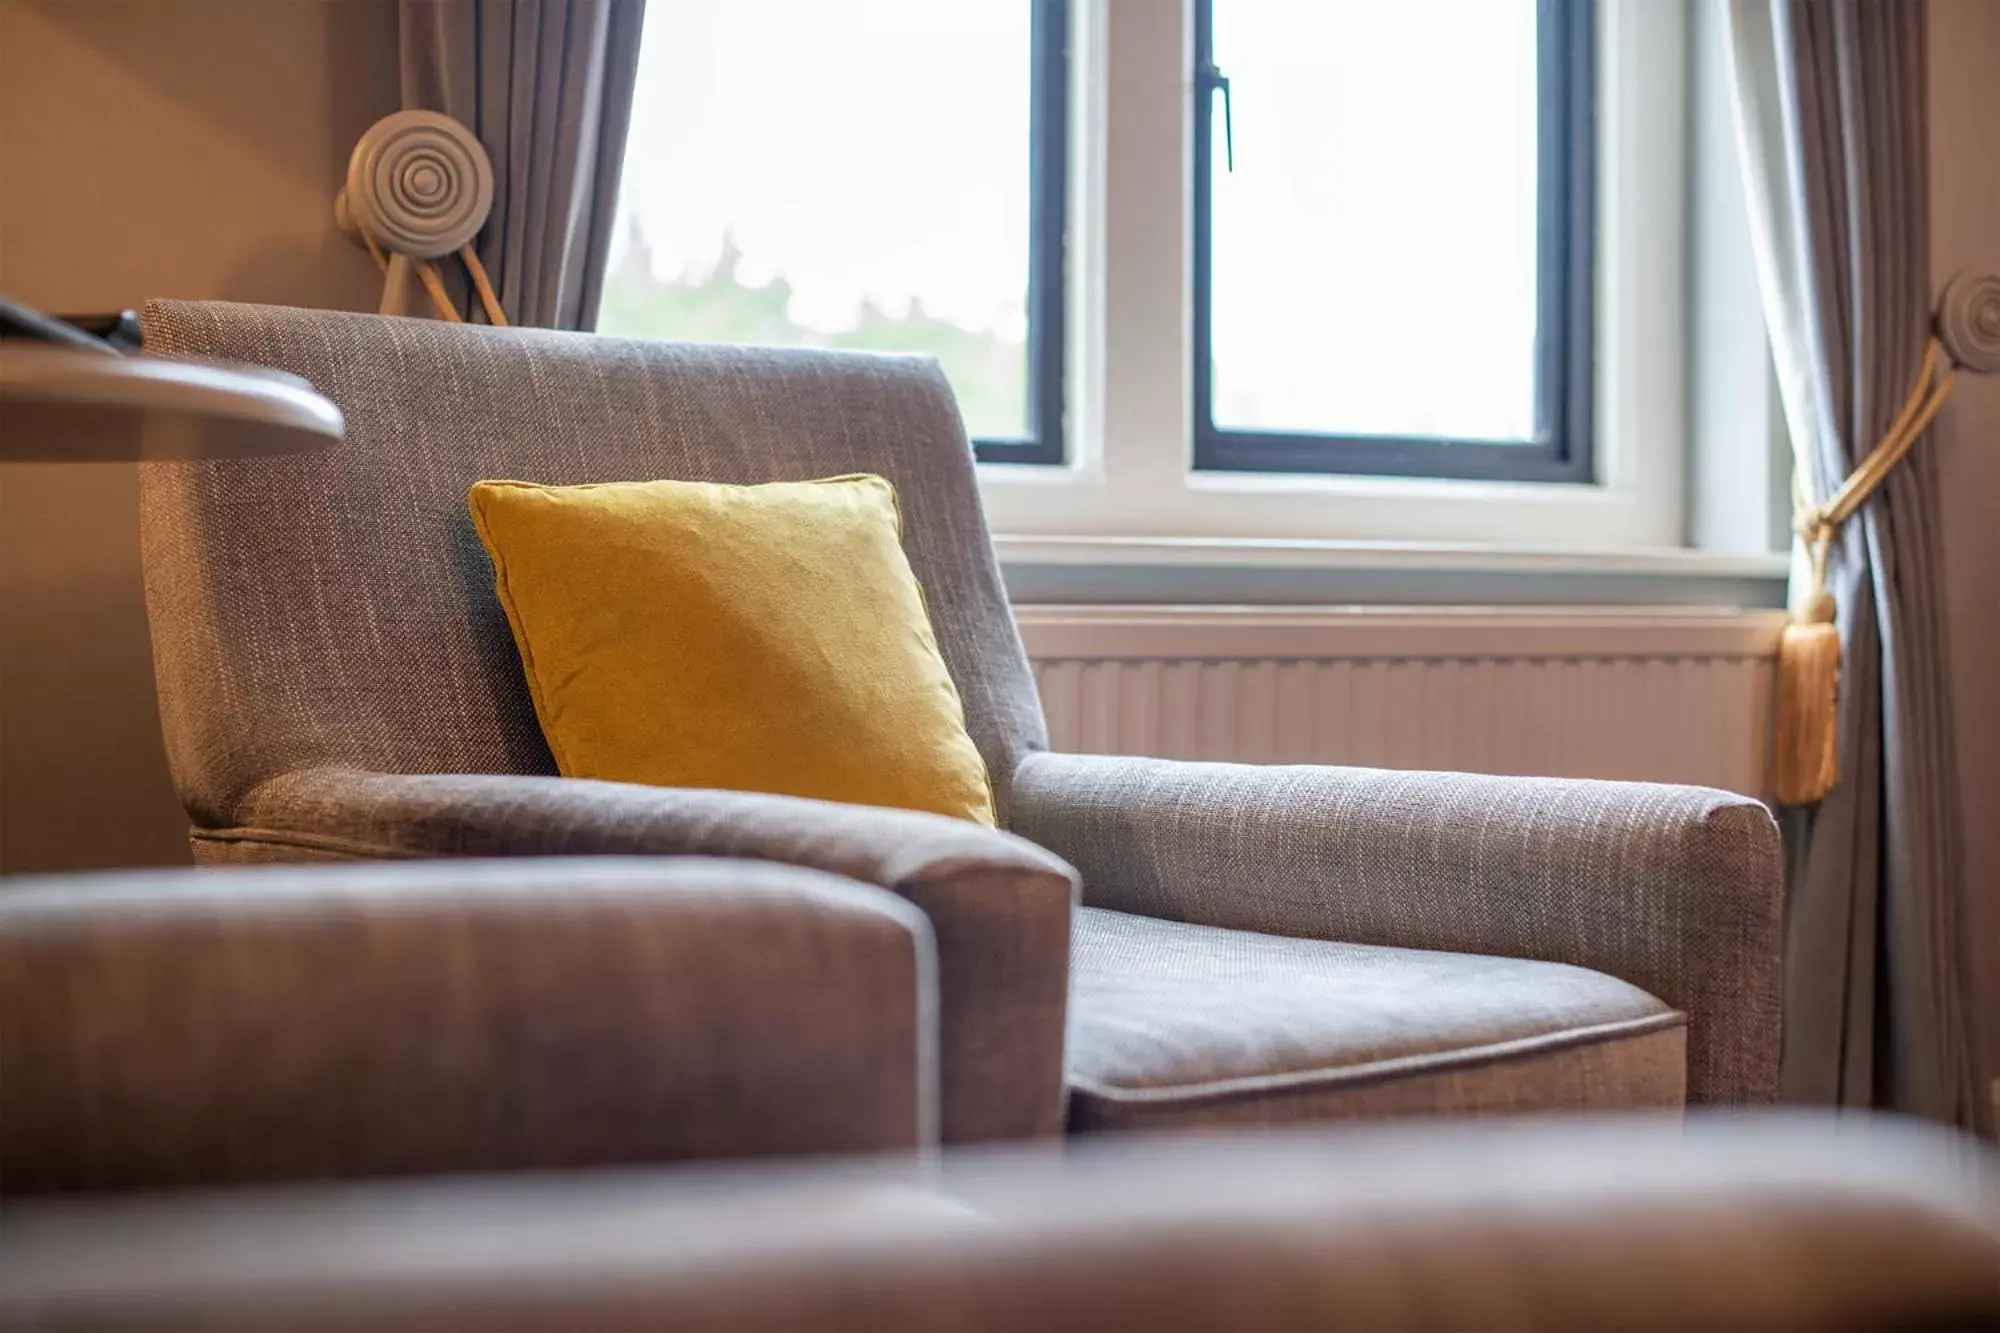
147, 148
1965, 232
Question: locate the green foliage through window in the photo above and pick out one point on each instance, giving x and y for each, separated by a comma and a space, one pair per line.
987, 371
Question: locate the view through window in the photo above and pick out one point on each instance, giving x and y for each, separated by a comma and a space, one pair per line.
851, 174
1391, 214
1384, 236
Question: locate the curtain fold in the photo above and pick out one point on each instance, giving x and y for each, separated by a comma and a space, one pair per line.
1830, 102
547, 86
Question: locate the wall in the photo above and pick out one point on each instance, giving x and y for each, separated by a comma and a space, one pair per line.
1965, 232
147, 148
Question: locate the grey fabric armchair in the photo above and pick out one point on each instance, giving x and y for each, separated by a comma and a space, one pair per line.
1780, 1223
1255, 945
169, 1029
1671, 889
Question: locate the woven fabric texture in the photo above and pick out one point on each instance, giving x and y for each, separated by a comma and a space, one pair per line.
338, 608
338, 680
337, 611
1184, 1025
999, 906
1672, 889
1574, 1226
171, 1029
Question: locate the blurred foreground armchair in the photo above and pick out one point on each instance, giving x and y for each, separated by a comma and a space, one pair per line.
1790, 1223
180, 1029
999, 906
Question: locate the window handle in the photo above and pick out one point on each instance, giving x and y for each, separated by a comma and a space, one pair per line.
1212, 81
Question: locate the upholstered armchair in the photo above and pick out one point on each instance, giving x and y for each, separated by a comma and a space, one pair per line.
175, 1029
1253, 945
353, 1098
1775, 1223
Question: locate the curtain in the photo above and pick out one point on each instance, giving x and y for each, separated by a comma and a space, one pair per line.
547, 87
1830, 106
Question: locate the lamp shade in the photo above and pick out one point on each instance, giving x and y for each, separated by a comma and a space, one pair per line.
63, 403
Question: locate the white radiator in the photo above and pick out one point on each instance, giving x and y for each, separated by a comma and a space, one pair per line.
1654, 694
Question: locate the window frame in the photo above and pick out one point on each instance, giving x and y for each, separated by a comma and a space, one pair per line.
1048, 269
1562, 450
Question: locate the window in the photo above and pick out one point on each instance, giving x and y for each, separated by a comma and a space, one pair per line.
1392, 236
1451, 262
880, 174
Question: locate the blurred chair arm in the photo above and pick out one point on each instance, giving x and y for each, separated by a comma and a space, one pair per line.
999, 906
1789, 1224
182, 1027
1674, 889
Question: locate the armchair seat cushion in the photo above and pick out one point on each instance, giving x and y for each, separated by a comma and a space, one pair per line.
1176, 1025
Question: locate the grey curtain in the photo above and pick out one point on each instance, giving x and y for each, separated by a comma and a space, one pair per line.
547, 87
1831, 112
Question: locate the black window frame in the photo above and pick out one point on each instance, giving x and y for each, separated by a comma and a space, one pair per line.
1561, 450
1048, 171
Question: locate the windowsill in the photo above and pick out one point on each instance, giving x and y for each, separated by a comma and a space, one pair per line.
1105, 569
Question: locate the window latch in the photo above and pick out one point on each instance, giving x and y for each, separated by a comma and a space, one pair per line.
1213, 81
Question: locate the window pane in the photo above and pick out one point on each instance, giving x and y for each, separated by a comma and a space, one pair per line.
838, 174
1373, 254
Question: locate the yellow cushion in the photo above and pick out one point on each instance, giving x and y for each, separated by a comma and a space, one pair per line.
757, 638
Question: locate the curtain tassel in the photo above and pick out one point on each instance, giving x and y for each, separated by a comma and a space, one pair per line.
1804, 761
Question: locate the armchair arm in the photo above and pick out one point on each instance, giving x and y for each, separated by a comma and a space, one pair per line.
175, 1028
1776, 1223
1000, 907
1674, 889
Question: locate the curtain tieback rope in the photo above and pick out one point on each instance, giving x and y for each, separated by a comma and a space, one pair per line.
1805, 763
427, 274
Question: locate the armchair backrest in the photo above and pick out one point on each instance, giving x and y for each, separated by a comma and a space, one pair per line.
337, 609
